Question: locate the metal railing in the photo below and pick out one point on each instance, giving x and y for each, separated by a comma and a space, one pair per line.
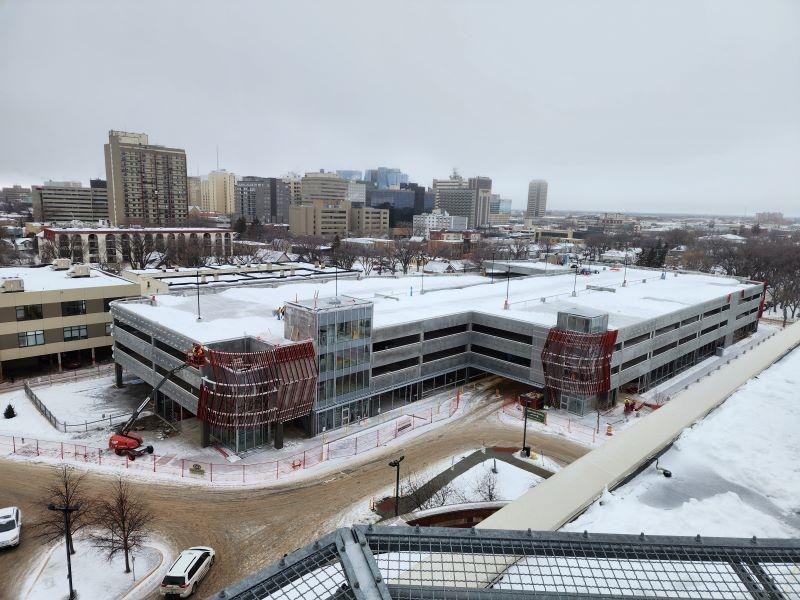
431, 563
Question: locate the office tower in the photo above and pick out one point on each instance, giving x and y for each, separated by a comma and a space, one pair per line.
400, 204
146, 183
350, 174
537, 199
15, 198
385, 178
356, 192
70, 201
264, 198
424, 200
323, 186
195, 187
505, 205
221, 192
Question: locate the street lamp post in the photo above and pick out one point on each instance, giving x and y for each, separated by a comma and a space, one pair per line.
492, 266
67, 510
508, 283
625, 266
396, 464
575, 284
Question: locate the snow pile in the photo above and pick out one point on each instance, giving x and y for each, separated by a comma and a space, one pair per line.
734, 474
511, 482
90, 399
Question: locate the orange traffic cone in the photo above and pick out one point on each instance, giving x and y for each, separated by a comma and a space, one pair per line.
608, 429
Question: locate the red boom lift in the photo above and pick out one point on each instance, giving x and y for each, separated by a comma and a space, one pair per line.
125, 442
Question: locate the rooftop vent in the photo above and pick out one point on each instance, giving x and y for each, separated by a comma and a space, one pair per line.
79, 271
13, 284
61, 264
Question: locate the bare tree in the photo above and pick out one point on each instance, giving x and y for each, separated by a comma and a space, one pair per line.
422, 498
66, 489
406, 251
519, 248
346, 255
486, 487
48, 251
139, 251
367, 258
123, 521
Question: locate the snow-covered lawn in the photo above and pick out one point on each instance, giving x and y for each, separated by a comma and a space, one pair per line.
511, 481
735, 473
90, 399
93, 576
28, 422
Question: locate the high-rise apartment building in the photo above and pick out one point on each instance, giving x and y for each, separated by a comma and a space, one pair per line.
385, 178
69, 201
537, 199
146, 183
264, 198
438, 219
195, 191
221, 190
323, 186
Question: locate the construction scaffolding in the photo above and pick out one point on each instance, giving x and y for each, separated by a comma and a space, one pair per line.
251, 389
578, 363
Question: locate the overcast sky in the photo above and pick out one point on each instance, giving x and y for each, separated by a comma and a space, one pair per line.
670, 106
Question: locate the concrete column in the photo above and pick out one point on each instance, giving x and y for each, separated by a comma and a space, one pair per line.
94, 361
118, 375
1, 370
278, 435
60, 368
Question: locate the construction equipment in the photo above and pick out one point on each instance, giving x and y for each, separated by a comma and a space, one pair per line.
125, 442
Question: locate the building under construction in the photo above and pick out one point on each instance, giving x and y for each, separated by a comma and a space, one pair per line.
323, 355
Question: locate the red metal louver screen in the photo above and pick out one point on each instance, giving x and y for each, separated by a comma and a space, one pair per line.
578, 363
255, 388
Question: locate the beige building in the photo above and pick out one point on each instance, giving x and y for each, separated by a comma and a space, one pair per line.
220, 194
56, 317
146, 183
195, 191
368, 221
320, 218
323, 186
294, 183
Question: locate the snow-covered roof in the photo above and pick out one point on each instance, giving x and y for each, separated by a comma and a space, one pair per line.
44, 279
735, 473
250, 310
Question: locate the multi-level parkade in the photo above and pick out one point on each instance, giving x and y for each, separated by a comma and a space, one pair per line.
383, 342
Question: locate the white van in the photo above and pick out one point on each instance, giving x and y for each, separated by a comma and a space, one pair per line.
186, 572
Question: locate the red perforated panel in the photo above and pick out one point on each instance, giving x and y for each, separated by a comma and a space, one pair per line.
256, 388
578, 363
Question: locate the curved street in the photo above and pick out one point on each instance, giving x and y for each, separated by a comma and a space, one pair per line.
251, 528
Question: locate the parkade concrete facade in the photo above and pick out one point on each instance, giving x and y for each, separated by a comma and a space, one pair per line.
408, 360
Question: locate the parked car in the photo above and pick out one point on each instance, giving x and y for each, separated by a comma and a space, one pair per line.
186, 572
10, 526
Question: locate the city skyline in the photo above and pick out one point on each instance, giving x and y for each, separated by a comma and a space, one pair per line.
619, 117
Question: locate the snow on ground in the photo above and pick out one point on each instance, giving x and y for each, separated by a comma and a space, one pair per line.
93, 576
28, 422
512, 481
733, 474
91, 399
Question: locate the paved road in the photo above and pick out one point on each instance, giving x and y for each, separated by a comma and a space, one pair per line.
251, 528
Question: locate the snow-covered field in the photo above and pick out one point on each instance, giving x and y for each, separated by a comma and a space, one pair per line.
90, 399
736, 473
95, 577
